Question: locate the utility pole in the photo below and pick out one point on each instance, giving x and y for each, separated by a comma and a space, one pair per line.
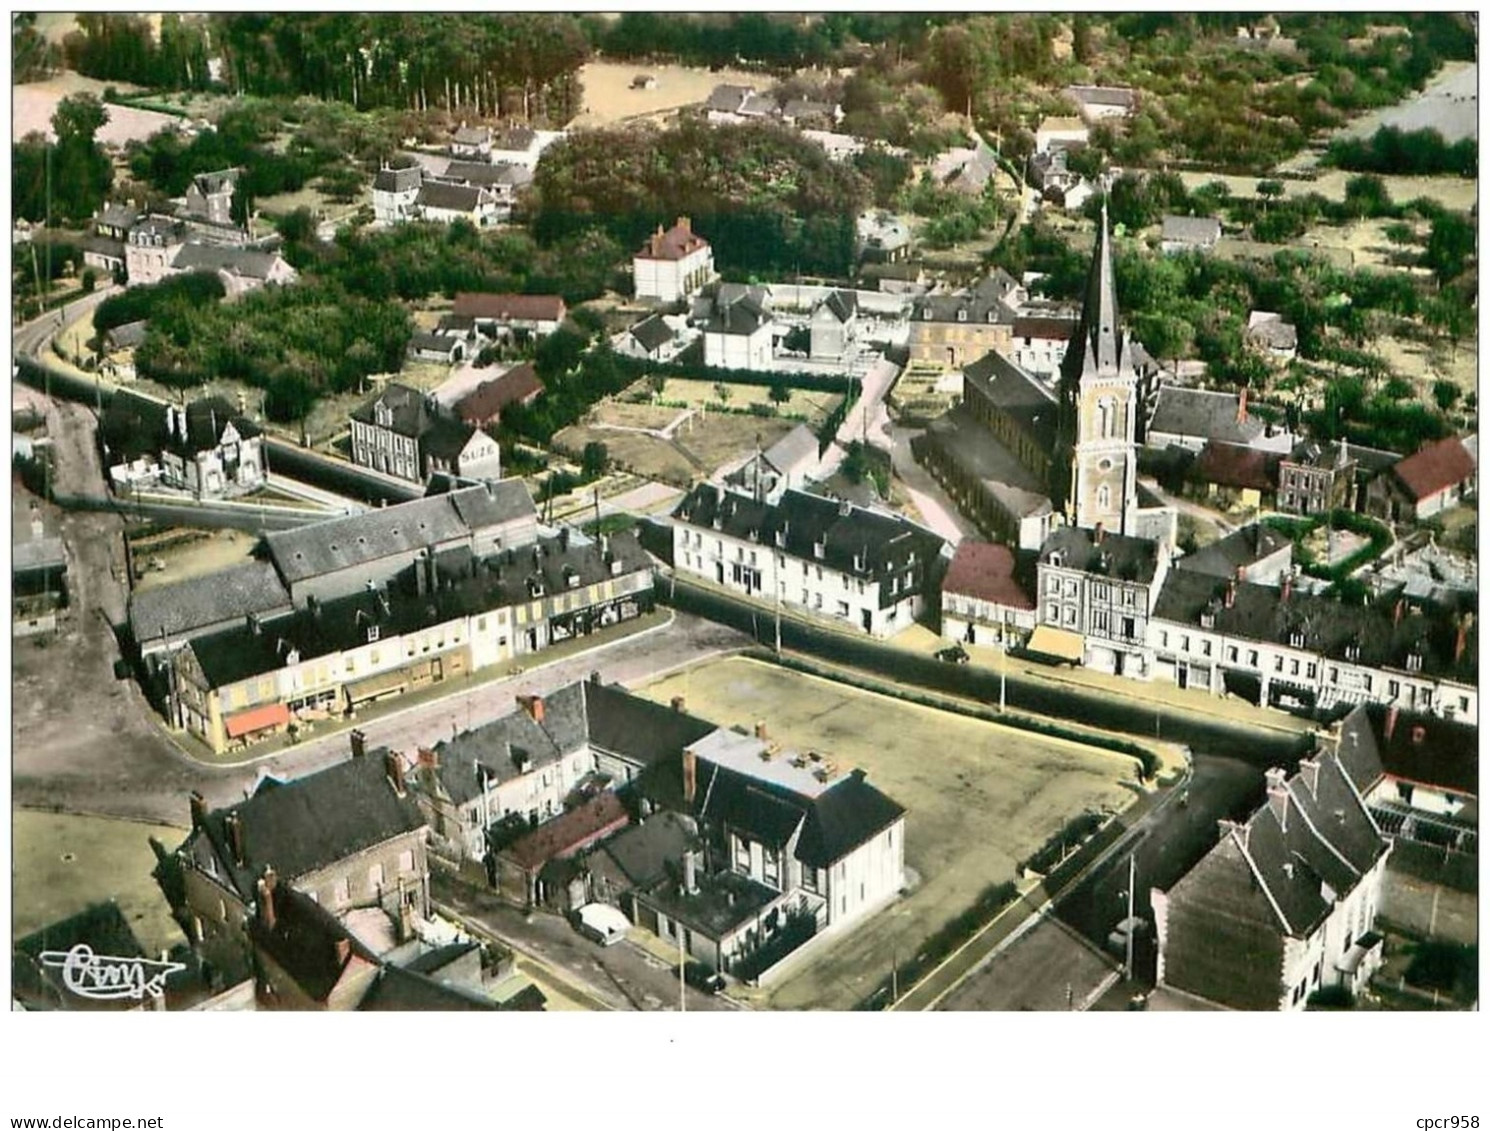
1003, 670
1132, 883
682, 971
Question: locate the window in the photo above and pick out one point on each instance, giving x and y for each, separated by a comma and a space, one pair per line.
1231, 653
406, 861
1278, 663
1052, 612
342, 891
1070, 615
1104, 497
375, 877
843, 608
742, 855
1130, 628
1163, 639
1252, 657
1205, 647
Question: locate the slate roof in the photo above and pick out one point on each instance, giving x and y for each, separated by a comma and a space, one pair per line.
652, 333
509, 307
222, 181
1238, 550
1236, 465
341, 543
1020, 395
472, 135
1426, 750
742, 314
426, 341
634, 728
860, 543
129, 335
465, 588
398, 180
402, 990
1437, 466
300, 826
728, 98
807, 108
1116, 555
647, 853
843, 305
488, 175
233, 260
411, 414
117, 216
797, 449
985, 571
515, 139
183, 607
517, 386
1197, 230
451, 198
966, 441
1375, 634
1268, 329
307, 942
1205, 413
104, 246
980, 306
1103, 95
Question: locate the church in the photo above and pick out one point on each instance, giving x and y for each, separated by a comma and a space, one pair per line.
1022, 456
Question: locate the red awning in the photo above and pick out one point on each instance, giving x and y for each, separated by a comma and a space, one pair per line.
260, 718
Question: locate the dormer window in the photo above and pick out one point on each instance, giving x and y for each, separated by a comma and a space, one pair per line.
962, 316
1352, 652
819, 549
373, 632
1415, 662
1207, 620
781, 539
1296, 639
926, 313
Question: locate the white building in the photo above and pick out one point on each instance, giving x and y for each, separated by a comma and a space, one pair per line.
394, 192
860, 567
673, 265
739, 331
982, 601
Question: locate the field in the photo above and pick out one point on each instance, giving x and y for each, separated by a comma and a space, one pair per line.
36, 102
1456, 193
609, 99
63, 863
1447, 105
979, 798
815, 406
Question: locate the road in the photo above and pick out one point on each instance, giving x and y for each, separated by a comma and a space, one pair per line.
937, 509
623, 977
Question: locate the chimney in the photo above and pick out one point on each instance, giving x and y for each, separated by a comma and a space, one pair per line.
420, 579
394, 766
1241, 407
1230, 598
1418, 734
1391, 723
1097, 535
1461, 638
1287, 586
235, 838
198, 809
690, 776
690, 871
359, 743
266, 898
1309, 772
678, 703
686, 223
1397, 611
760, 730
253, 624
1241, 830
535, 708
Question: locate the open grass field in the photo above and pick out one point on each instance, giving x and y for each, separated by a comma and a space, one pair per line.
1457, 193
63, 862
804, 402
36, 102
609, 99
698, 448
979, 798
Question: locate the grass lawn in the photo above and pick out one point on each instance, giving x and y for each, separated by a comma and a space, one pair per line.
815, 406
63, 863
979, 798
710, 442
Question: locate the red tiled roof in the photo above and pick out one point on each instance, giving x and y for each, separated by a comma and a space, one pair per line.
986, 571
1236, 465
503, 308
1059, 329
566, 835
519, 384
1437, 466
675, 243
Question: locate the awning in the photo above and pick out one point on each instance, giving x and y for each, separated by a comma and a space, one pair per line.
260, 718
1056, 643
384, 683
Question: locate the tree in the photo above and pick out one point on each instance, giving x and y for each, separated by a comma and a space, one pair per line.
780, 394
1269, 189
81, 171
1445, 395
722, 391
1450, 245
595, 460
657, 382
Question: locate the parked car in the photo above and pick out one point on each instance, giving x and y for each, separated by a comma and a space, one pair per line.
703, 977
956, 654
601, 923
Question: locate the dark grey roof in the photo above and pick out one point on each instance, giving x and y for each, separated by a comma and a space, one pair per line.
465, 587
864, 544
808, 108
984, 304
234, 260
406, 990
634, 728
129, 335
341, 543
1426, 750
728, 98
101, 926
398, 180
737, 310
490, 751
118, 216
472, 135
966, 441
515, 139
843, 305
649, 852
1115, 555
1204, 413
486, 174
433, 342
1238, 550
652, 332
300, 826
799, 446
1099, 344
1021, 396
104, 246
451, 198
307, 942
1381, 635
723, 903
223, 180
842, 818
183, 607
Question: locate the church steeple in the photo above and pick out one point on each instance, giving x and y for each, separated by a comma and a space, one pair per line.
1098, 344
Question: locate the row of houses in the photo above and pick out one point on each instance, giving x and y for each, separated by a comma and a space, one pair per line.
1229, 619
716, 839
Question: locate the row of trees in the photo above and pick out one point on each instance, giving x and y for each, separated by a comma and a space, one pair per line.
1413, 152
124, 48
768, 200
